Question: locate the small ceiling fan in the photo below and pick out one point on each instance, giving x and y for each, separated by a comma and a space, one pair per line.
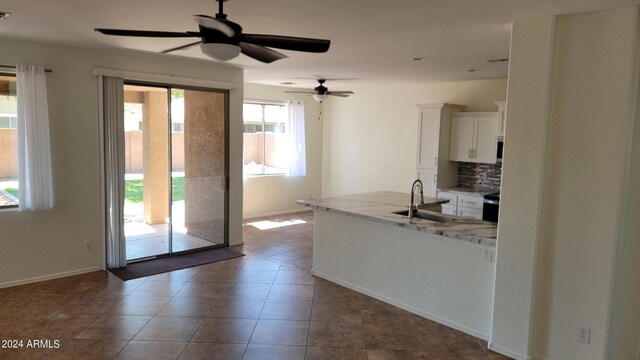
223, 40
321, 93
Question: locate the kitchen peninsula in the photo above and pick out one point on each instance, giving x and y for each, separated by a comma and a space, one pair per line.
439, 270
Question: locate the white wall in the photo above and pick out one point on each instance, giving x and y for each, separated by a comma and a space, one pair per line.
277, 194
36, 245
573, 239
522, 180
371, 136
585, 164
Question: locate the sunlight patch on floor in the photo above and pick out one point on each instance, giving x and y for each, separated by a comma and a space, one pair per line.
268, 224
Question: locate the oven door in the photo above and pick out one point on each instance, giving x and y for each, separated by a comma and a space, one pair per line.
490, 210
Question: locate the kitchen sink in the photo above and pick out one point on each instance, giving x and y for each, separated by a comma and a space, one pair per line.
426, 215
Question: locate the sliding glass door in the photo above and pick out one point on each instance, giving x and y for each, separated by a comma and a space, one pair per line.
175, 170
198, 173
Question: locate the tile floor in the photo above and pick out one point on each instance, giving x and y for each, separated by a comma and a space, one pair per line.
265, 305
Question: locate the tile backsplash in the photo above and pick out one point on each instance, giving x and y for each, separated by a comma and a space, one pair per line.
470, 175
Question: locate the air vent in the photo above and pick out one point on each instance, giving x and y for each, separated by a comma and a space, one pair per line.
498, 60
287, 83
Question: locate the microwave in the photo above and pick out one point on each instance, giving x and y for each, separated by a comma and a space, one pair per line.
499, 149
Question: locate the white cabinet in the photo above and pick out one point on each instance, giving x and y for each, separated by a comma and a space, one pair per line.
432, 159
502, 113
429, 178
470, 213
474, 137
429, 140
468, 205
450, 208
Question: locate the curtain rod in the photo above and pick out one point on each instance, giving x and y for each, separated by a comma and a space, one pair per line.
267, 102
15, 67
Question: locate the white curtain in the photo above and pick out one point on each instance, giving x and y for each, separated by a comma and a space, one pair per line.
112, 115
34, 150
296, 139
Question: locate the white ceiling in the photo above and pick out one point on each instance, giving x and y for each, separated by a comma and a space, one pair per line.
371, 40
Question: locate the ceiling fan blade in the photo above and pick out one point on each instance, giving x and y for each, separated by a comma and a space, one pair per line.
340, 93
145, 33
260, 53
288, 42
215, 24
300, 92
181, 47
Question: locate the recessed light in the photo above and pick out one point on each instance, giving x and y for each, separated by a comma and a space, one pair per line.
287, 83
473, 70
4, 15
419, 58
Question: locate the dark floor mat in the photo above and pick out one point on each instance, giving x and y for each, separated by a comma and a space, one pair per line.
158, 266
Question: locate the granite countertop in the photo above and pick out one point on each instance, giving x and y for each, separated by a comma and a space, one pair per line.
379, 207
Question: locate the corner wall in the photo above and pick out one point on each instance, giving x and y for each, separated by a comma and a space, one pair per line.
273, 194
43, 244
560, 224
371, 137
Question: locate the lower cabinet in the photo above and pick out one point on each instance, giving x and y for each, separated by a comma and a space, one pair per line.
469, 206
450, 209
470, 213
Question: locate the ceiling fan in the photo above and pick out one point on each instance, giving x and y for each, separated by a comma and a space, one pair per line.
223, 40
321, 93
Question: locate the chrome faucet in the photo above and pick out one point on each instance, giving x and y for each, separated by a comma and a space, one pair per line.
413, 207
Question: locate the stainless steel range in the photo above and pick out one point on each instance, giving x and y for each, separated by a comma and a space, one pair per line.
491, 206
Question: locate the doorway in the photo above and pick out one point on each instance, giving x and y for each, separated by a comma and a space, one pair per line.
175, 170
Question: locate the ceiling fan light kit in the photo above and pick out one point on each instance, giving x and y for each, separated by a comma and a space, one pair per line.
321, 93
223, 40
220, 51
320, 97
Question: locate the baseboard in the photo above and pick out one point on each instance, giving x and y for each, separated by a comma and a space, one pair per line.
49, 277
507, 352
256, 216
404, 306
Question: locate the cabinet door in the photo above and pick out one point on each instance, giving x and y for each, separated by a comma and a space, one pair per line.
449, 209
501, 119
429, 130
486, 139
470, 213
462, 138
468, 201
429, 180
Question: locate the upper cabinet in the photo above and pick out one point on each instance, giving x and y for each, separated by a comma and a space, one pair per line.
432, 159
429, 139
502, 113
474, 137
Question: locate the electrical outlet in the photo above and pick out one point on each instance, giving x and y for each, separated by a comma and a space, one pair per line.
584, 334
487, 255
88, 245
483, 176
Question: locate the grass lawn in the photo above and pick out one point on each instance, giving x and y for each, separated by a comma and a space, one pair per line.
133, 190
12, 191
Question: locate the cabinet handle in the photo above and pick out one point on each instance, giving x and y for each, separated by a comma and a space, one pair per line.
435, 178
435, 161
470, 156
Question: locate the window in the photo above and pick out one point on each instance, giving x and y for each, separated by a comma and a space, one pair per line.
265, 142
8, 142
